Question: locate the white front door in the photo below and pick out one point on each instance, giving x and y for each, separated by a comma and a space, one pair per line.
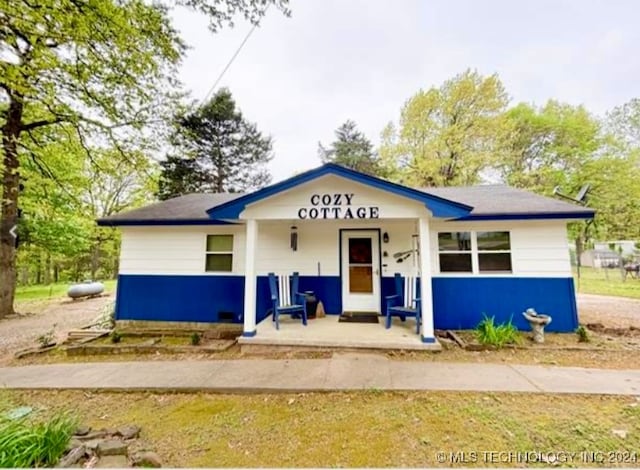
360, 270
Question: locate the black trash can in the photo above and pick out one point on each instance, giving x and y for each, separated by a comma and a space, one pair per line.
312, 303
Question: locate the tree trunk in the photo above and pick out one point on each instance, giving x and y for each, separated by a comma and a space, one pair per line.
95, 259
24, 275
47, 269
39, 269
9, 205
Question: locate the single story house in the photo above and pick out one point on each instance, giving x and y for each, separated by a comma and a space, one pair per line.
477, 250
623, 247
601, 258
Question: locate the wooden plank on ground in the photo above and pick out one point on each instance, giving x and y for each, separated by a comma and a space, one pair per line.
454, 336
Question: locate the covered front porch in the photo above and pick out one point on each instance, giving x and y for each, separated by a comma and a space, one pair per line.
328, 332
346, 235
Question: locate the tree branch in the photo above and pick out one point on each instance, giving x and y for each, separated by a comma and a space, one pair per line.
42, 122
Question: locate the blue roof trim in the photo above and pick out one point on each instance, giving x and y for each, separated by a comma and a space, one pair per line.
440, 207
140, 222
540, 216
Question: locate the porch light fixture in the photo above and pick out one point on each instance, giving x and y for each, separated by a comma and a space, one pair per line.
294, 238
385, 237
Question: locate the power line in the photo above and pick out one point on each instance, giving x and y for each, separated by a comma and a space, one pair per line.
233, 57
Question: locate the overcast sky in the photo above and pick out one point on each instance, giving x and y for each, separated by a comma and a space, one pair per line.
299, 78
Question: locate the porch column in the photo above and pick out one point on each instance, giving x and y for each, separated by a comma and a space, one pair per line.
426, 294
250, 278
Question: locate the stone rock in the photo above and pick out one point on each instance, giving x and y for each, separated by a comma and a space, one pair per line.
72, 457
93, 435
73, 443
112, 461
621, 433
92, 444
111, 447
130, 431
82, 431
146, 459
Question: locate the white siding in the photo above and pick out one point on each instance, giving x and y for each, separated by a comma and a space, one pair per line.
318, 242
174, 250
181, 250
538, 248
285, 206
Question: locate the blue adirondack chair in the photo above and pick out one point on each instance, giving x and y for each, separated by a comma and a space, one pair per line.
405, 302
286, 299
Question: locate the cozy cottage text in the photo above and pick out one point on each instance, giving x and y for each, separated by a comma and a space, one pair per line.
337, 206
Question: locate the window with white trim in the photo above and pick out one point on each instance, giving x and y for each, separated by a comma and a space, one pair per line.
479, 252
455, 252
219, 253
494, 252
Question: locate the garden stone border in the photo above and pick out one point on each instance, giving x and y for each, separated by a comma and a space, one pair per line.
106, 448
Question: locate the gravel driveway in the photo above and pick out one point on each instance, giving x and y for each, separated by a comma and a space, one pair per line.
612, 312
22, 331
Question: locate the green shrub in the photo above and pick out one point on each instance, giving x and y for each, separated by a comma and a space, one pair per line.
115, 337
47, 339
490, 334
583, 334
27, 444
195, 339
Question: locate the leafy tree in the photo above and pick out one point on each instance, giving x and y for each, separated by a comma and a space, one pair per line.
101, 66
65, 190
351, 149
220, 151
623, 123
449, 135
548, 144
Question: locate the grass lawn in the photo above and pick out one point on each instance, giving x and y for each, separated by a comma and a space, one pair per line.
52, 291
595, 281
360, 429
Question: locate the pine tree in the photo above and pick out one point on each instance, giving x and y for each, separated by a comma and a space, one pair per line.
351, 149
220, 151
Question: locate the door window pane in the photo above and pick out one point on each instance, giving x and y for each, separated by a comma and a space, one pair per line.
361, 279
360, 251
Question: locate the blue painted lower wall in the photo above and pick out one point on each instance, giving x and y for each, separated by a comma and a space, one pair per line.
326, 288
207, 298
459, 302
179, 298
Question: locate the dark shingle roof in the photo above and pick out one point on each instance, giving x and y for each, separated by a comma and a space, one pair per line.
499, 199
487, 201
191, 207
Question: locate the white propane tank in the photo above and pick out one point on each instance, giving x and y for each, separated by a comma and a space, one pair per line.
86, 289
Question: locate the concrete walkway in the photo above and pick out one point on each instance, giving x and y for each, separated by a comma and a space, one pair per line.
342, 372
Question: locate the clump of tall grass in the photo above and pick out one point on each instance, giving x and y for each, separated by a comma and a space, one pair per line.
25, 443
490, 334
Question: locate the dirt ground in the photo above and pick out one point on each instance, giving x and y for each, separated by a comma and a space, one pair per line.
39, 317
612, 312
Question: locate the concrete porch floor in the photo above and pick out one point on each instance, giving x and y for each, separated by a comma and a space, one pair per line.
328, 332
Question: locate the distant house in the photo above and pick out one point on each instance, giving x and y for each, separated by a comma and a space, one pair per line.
623, 247
601, 258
